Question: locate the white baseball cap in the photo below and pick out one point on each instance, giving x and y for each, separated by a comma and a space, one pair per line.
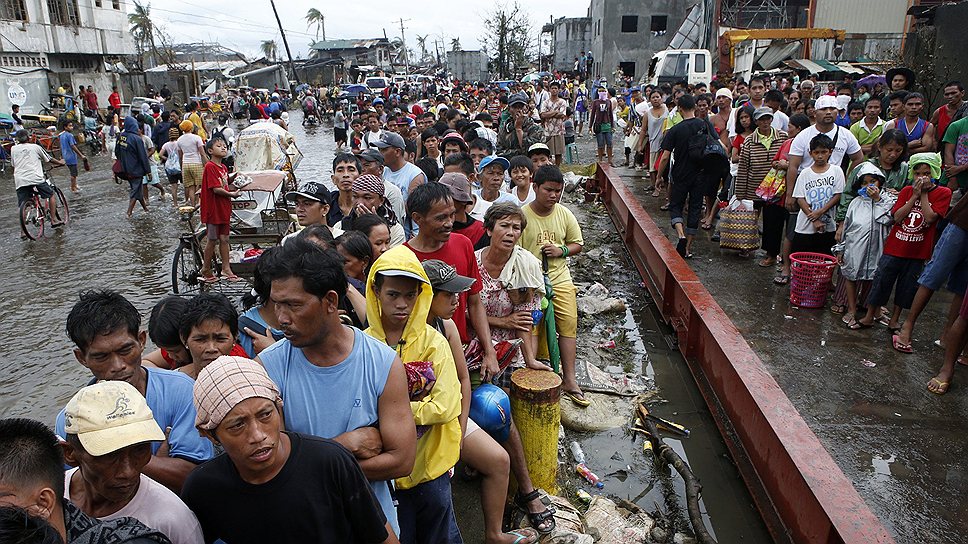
109, 416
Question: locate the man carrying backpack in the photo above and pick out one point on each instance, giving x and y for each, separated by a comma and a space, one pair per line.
687, 144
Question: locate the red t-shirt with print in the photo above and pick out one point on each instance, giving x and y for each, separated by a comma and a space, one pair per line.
216, 210
459, 253
912, 237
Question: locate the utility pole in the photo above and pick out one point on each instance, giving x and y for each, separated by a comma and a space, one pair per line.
285, 42
403, 38
322, 26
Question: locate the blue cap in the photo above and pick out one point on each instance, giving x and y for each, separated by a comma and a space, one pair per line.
486, 161
377, 101
491, 410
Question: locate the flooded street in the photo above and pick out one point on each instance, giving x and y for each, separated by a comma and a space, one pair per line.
101, 248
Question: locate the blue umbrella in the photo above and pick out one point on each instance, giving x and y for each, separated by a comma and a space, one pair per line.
356, 89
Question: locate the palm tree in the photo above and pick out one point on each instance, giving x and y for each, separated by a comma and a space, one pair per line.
455, 44
316, 17
422, 44
142, 28
269, 49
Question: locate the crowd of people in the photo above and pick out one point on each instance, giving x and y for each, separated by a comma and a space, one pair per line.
377, 345
375, 351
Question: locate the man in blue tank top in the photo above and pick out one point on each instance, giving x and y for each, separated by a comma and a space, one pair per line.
335, 381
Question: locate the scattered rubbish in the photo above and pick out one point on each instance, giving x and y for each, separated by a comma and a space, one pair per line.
663, 424
583, 496
617, 525
576, 452
589, 476
823, 342
647, 446
642, 285
868, 363
788, 317
897, 414
569, 528
607, 345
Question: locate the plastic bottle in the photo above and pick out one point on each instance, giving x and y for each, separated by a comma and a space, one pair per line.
576, 452
589, 476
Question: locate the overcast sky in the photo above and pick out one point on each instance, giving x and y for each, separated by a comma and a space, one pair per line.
244, 24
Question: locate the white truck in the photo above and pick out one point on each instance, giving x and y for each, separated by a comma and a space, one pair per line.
674, 65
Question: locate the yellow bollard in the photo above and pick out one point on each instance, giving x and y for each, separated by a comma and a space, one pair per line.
537, 415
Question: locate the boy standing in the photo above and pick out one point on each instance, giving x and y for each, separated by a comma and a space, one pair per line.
552, 234
817, 192
70, 152
217, 210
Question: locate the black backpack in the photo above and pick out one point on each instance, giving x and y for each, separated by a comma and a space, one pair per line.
703, 147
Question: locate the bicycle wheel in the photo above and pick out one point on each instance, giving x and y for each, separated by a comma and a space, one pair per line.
32, 218
186, 269
63, 210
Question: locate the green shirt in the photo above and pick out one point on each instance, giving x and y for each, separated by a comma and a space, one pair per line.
957, 135
864, 136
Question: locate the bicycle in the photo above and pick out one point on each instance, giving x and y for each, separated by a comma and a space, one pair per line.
35, 212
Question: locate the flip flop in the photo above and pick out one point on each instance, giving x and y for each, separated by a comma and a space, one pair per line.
838, 309
853, 324
689, 255
578, 398
766, 263
208, 279
781, 280
524, 536
232, 278
941, 389
903, 348
962, 360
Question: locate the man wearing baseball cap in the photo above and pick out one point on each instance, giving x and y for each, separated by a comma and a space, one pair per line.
490, 172
312, 203
460, 190
273, 485
519, 131
540, 155
110, 430
405, 175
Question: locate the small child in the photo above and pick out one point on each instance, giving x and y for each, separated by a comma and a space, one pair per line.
520, 192
216, 206
570, 127
153, 179
910, 243
818, 191
70, 152
866, 226
172, 160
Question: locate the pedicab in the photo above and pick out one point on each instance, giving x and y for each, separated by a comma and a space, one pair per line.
266, 157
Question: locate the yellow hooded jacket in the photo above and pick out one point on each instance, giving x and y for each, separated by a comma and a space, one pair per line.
439, 448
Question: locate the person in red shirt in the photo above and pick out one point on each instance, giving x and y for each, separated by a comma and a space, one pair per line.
431, 208
90, 99
217, 198
460, 191
909, 245
954, 93
115, 99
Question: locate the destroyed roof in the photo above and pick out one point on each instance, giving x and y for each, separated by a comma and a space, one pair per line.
203, 66
363, 43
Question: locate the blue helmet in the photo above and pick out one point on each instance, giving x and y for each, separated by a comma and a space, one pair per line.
491, 410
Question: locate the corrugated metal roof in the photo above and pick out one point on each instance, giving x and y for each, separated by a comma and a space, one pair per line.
365, 43
805, 64
220, 65
776, 53
845, 66
828, 66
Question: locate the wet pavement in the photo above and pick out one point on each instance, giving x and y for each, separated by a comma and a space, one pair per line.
903, 448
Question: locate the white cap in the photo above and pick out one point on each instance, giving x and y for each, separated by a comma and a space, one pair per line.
109, 416
826, 101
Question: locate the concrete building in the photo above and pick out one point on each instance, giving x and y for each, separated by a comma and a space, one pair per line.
570, 37
370, 53
626, 33
48, 43
467, 65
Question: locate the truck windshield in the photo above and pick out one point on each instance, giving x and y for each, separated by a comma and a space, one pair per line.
676, 65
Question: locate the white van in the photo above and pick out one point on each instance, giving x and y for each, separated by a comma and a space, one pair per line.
377, 83
673, 65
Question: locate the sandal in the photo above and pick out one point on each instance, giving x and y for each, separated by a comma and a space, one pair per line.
767, 262
939, 389
524, 536
208, 279
578, 398
538, 520
681, 247
853, 324
838, 309
900, 346
232, 278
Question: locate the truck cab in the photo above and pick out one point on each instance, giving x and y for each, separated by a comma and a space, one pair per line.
672, 65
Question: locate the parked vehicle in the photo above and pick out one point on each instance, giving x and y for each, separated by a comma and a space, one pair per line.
672, 65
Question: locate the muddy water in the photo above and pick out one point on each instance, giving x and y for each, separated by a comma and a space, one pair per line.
101, 248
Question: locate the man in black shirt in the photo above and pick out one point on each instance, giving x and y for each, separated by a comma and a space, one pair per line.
270, 485
687, 179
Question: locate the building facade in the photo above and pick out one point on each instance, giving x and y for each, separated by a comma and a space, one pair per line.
48, 43
467, 65
365, 53
626, 33
570, 37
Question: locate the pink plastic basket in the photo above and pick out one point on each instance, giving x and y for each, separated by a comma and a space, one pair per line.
810, 279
